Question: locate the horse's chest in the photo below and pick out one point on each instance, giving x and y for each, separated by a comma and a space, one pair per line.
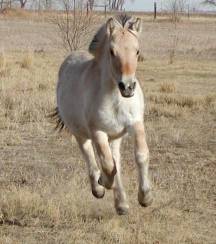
115, 119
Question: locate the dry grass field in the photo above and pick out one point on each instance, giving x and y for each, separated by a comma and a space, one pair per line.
44, 192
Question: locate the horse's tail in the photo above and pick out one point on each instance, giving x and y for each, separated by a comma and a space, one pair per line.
55, 116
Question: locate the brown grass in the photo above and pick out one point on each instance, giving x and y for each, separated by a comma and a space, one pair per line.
27, 60
2, 60
4, 69
16, 12
45, 195
167, 87
181, 101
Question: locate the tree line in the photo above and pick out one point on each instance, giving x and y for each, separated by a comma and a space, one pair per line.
47, 4
118, 5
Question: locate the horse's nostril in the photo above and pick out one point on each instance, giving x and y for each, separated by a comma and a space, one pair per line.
121, 86
132, 86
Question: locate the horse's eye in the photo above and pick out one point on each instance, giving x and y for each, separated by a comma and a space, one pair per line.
112, 52
138, 52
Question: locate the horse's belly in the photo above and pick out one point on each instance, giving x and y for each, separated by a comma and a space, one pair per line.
114, 134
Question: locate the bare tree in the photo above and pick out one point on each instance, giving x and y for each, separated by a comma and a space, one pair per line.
116, 4
22, 3
75, 25
175, 8
43, 4
209, 2
48, 4
5, 4
91, 4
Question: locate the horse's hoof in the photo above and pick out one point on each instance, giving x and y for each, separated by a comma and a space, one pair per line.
98, 192
106, 182
122, 209
145, 199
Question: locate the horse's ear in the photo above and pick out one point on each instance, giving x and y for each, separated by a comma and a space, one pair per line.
111, 25
136, 25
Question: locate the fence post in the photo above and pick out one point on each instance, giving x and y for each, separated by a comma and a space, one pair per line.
87, 9
188, 11
74, 11
155, 10
105, 10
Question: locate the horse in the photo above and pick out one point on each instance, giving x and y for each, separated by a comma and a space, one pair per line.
99, 100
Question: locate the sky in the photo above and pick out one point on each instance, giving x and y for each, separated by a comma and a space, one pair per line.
147, 5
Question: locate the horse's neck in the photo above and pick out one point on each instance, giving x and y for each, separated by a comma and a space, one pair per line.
108, 85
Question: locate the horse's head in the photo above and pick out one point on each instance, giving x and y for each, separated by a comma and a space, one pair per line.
117, 41
122, 50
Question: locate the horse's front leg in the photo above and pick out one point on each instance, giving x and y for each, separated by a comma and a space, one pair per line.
142, 160
121, 203
93, 170
101, 142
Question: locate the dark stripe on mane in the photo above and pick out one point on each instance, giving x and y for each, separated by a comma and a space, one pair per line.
97, 39
122, 19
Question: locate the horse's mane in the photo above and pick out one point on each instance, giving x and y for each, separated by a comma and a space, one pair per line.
101, 33
123, 19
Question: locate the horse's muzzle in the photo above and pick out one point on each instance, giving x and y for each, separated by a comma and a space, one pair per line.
127, 90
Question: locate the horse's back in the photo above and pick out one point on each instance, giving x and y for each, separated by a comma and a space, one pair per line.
74, 64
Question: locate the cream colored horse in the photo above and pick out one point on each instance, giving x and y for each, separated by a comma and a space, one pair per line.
99, 100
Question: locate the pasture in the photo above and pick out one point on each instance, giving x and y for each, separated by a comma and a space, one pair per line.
45, 196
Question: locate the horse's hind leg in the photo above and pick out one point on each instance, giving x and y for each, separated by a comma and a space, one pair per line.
120, 198
93, 170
